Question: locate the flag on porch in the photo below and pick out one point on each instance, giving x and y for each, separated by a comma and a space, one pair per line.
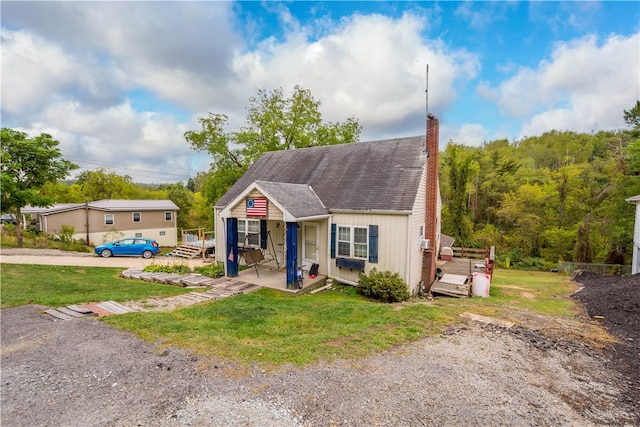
257, 206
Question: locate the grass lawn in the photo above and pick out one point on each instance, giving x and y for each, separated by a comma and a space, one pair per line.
273, 328
55, 286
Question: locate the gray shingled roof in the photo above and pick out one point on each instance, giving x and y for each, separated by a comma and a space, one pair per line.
107, 205
298, 199
376, 175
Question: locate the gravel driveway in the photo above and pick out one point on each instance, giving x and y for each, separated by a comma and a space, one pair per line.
83, 372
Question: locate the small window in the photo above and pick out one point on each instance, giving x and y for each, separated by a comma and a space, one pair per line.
138, 234
353, 242
136, 217
108, 219
249, 232
168, 216
163, 233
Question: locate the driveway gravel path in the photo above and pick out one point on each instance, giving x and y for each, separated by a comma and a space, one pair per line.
83, 372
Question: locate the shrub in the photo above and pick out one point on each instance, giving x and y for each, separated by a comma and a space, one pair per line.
384, 285
213, 270
175, 268
66, 233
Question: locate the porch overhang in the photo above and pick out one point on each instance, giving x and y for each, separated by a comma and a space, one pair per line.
297, 202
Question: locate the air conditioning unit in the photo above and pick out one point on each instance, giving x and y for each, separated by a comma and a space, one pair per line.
425, 244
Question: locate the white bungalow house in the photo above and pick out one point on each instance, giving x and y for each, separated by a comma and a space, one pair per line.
347, 208
635, 266
92, 221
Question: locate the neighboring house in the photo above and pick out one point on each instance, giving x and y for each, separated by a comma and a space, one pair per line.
348, 208
111, 219
635, 266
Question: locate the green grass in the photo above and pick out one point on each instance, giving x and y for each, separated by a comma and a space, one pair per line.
57, 285
273, 328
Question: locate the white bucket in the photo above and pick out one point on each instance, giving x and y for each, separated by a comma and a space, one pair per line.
480, 285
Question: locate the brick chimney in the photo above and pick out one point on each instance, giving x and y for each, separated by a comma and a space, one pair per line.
431, 212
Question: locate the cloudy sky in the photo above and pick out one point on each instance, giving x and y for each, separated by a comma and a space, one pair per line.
118, 83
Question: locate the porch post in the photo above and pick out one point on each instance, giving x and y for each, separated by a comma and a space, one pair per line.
232, 247
291, 250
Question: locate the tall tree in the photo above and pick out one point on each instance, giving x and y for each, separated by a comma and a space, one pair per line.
103, 184
27, 165
274, 122
460, 165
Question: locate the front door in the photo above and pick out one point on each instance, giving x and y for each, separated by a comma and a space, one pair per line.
310, 246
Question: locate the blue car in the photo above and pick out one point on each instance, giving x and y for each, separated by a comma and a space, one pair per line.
146, 248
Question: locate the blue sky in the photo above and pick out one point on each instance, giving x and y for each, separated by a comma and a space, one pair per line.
118, 83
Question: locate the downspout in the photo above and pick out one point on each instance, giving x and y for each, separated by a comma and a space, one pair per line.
86, 213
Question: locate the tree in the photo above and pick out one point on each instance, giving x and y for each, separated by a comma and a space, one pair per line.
102, 184
274, 122
183, 198
460, 165
28, 164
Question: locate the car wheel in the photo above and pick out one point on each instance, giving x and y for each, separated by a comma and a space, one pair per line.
147, 254
106, 253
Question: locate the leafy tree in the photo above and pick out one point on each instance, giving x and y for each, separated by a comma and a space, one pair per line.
274, 122
460, 165
183, 198
103, 184
28, 164
632, 117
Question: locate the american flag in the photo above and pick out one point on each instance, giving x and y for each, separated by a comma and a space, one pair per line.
257, 206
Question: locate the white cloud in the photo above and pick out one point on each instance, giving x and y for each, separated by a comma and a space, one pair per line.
584, 86
371, 67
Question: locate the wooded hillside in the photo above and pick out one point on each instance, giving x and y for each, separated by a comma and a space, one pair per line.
542, 199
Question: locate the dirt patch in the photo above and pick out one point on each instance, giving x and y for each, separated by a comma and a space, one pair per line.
617, 301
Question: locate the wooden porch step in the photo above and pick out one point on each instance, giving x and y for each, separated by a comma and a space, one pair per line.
186, 251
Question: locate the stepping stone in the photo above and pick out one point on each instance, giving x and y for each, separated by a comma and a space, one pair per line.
69, 312
79, 309
58, 315
115, 307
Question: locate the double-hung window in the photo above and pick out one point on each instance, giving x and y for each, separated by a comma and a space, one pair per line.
108, 219
136, 216
249, 232
353, 241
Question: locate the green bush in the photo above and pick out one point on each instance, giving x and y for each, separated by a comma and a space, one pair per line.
385, 286
66, 233
213, 270
175, 268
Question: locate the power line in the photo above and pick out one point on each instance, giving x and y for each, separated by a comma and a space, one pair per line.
144, 172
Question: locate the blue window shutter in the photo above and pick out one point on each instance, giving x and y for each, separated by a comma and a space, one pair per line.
263, 233
373, 243
333, 240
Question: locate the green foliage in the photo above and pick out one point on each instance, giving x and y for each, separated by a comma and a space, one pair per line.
274, 122
102, 184
112, 235
212, 270
26, 166
66, 233
167, 268
384, 285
